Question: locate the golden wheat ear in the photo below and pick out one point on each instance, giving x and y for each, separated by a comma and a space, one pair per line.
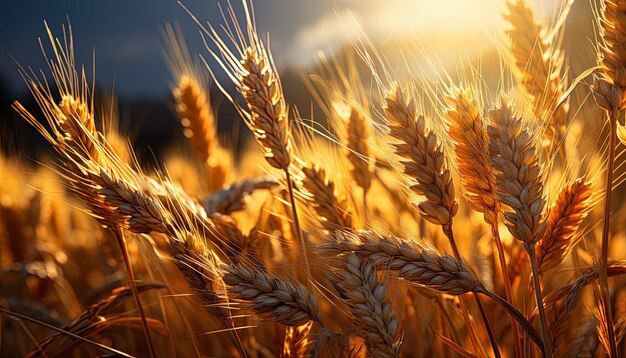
422, 157
572, 205
285, 302
333, 210
538, 64
514, 158
371, 306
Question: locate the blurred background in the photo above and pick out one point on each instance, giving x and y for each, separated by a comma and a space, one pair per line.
124, 39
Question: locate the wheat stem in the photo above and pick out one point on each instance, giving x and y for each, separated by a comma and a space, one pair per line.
64, 332
606, 223
508, 290
545, 332
298, 229
447, 229
133, 286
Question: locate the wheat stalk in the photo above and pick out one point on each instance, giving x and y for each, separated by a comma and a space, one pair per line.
519, 187
609, 90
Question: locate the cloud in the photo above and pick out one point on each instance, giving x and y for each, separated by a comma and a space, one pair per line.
383, 20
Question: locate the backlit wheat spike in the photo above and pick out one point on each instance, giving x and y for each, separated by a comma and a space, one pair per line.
538, 64
519, 181
609, 87
414, 261
357, 132
422, 157
469, 133
262, 91
333, 210
519, 187
196, 116
570, 209
199, 268
287, 303
72, 114
370, 304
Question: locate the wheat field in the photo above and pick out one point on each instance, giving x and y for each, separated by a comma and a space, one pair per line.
423, 216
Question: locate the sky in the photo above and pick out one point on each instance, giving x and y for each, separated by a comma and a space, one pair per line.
126, 35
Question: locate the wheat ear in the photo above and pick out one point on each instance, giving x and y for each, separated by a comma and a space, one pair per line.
538, 64
518, 174
332, 209
422, 157
519, 187
196, 116
414, 261
420, 264
357, 134
370, 303
236, 196
252, 70
567, 214
286, 302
